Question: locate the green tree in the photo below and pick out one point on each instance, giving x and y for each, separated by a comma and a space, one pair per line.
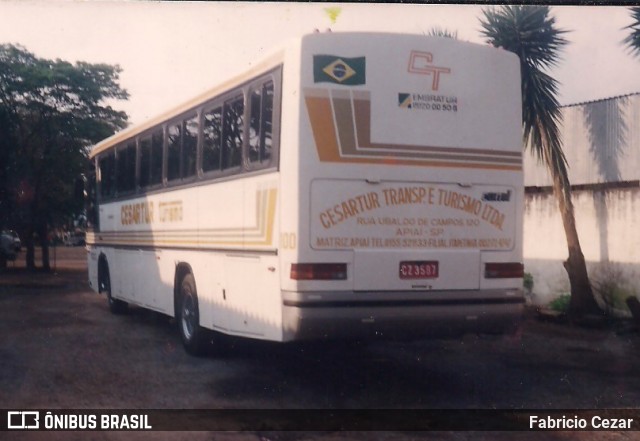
531, 33
51, 112
632, 41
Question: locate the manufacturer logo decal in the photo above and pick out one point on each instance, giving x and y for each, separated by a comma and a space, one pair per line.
421, 63
497, 197
405, 100
427, 101
339, 70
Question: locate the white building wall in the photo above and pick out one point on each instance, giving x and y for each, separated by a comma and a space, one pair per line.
602, 145
608, 223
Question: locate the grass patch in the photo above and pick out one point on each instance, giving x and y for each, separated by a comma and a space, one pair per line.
561, 303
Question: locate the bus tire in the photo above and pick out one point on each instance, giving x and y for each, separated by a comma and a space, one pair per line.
104, 286
194, 338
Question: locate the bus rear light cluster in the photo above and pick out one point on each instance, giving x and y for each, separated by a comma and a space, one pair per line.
319, 271
504, 270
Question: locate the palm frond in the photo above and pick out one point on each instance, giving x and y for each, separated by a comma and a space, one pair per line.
531, 33
437, 31
632, 41
528, 31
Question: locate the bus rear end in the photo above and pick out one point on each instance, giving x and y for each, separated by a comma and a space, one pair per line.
402, 206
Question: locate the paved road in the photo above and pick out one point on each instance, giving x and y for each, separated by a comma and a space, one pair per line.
60, 347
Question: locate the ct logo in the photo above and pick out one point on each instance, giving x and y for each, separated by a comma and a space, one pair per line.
420, 63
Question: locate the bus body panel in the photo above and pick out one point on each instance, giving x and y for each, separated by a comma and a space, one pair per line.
396, 167
229, 255
404, 319
397, 154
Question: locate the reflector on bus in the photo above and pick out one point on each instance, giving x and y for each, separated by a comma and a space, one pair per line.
319, 271
504, 270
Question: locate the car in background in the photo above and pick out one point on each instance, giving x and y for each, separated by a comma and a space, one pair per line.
75, 239
8, 248
13, 240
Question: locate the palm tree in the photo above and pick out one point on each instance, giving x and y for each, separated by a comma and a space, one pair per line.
531, 33
633, 39
437, 31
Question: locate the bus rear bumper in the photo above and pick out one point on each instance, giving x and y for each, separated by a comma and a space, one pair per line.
398, 316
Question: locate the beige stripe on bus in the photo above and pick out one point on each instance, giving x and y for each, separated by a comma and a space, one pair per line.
341, 126
261, 234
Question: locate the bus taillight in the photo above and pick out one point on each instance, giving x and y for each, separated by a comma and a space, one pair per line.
504, 270
319, 271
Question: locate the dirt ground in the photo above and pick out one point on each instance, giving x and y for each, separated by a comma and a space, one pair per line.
61, 348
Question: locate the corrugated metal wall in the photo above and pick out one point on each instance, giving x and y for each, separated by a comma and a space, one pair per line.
601, 140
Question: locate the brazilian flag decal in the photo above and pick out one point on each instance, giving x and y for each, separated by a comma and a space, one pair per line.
339, 70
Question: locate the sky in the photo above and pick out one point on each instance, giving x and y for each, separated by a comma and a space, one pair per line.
172, 51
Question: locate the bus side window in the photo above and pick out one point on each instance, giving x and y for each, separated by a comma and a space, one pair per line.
233, 132
145, 162
189, 146
156, 158
107, 167
260, 125
91, 201
126, 168
173, 151
212, 142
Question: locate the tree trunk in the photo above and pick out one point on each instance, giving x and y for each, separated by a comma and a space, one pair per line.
582, 299
44, 242
30, 255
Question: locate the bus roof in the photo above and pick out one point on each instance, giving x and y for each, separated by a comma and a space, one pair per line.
271, 61
275, 58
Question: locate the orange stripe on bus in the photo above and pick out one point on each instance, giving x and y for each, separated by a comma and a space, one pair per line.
324, 132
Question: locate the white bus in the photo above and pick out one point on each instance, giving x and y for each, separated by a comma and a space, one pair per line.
350, 185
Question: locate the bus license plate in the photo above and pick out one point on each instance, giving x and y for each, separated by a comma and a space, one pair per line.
419, 270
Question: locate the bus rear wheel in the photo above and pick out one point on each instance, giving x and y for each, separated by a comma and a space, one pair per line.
194, 337
104, 286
